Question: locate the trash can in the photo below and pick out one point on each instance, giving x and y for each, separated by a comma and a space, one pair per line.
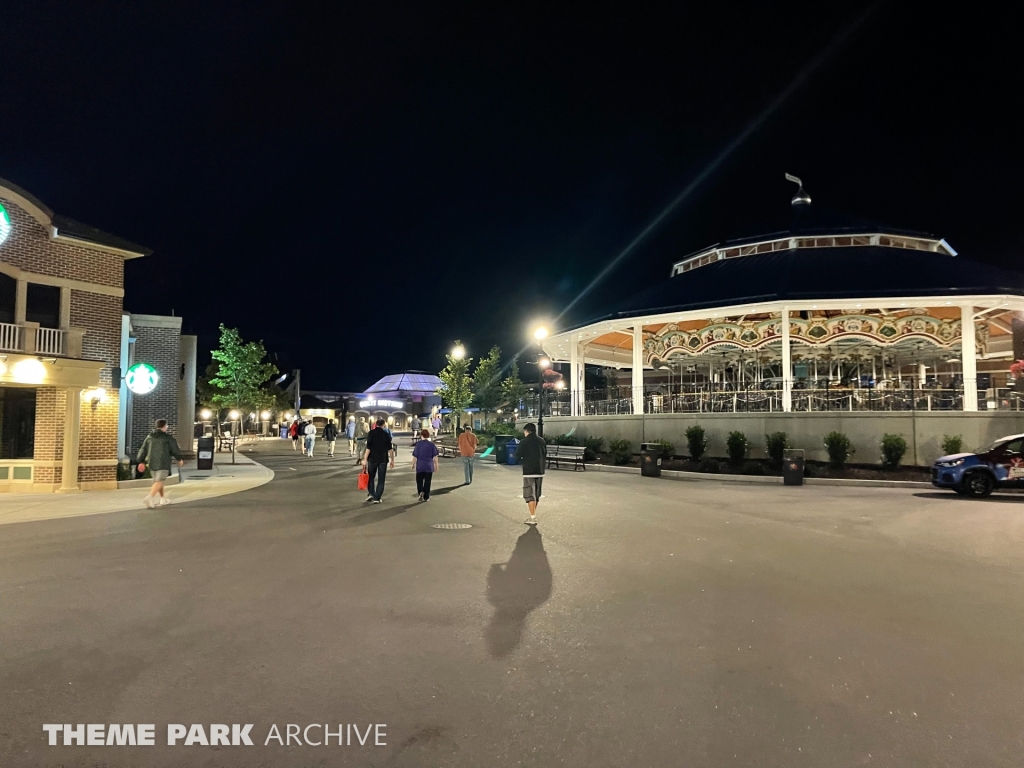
204, 453
510, 448
650, 462
501, 448
793, 467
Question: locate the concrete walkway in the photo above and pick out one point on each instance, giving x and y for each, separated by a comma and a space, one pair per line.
224, 479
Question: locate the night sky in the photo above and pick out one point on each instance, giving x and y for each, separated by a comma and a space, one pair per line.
360, 184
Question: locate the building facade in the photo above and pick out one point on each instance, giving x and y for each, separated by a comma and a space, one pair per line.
61, 294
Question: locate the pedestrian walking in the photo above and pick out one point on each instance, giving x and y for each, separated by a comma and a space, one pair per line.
310, 433
362, 430
467, 449
350, 432
156, 452
378, 456
532, 454
330, 436
415, 427
424, 461
435, 424
293, 433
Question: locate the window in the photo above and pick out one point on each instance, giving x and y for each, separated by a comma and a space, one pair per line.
17, 422
43, 305
8, 297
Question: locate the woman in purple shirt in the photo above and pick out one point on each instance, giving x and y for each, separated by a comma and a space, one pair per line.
424, 461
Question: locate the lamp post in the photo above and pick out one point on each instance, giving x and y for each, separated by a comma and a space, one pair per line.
266, 423
234, 424
458, 353
205, 415
543, 362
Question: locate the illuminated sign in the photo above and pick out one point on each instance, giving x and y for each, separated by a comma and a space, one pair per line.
381, 404
5, 224
141, 378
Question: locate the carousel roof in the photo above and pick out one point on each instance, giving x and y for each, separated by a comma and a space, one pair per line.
414, 382
867, 271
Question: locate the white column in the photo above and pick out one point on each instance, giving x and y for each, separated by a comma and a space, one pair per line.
638, 369
574, 374
969, 354
20, 301
582, 360
787, 365
72, 433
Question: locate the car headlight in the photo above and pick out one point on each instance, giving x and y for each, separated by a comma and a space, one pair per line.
954, 463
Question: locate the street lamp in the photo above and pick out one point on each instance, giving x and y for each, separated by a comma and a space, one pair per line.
543, 363
205, 415
540, 332
234, 423
458, 353
266, 422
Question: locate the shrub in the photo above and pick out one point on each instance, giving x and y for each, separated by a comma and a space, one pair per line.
591, 447
566, 439
667, 449
621, 451
708, 465
952, 444
839, 449
893, 448
736, 446
696, 441
776, 443
753, 468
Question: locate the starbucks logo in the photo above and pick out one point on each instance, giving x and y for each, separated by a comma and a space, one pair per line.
5, 225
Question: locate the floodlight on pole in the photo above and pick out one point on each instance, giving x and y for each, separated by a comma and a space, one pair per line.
540, 332
206, 414
458, 352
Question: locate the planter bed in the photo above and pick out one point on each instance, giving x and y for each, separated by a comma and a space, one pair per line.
759, 467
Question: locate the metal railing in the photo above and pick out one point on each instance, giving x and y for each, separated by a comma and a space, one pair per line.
726, 399
10, 337
49, 341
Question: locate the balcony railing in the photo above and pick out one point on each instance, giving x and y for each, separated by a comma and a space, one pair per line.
31, 339
10, 337
717, 399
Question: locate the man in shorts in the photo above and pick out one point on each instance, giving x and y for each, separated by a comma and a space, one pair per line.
156, 452
532, 453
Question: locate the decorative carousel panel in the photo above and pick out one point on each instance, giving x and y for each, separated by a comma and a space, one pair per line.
882, 330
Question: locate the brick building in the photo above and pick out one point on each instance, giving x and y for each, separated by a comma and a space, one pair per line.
157, 340
61, 293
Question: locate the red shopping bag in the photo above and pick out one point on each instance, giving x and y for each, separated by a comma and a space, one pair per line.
364, 480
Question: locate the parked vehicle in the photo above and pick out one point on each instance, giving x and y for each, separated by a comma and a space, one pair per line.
997, 465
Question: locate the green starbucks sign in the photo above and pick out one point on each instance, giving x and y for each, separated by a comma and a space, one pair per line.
5, 225
141, 378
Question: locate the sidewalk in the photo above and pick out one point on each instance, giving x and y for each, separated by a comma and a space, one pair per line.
224, 479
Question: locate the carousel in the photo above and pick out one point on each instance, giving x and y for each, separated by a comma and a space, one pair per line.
825, 316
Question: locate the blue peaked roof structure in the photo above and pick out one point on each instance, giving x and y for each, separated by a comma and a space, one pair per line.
410, 383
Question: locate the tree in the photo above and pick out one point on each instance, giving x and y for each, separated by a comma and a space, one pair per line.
242, 376
456, 388
513, 390
487, 390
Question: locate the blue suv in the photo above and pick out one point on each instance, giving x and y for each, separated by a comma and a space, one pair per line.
998, 465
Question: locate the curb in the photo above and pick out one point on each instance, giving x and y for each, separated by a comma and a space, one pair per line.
145, 482
674, 474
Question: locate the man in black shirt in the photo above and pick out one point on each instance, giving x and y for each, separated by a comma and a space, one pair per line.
532, 454
379, 454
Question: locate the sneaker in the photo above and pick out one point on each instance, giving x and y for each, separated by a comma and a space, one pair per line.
376, 501
148, 502
368, 498
164, 501
419, 496
531, 521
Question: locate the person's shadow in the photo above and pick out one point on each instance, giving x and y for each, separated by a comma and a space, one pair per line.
514, 589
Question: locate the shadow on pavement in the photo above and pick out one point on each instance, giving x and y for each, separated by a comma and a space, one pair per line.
446, 489
514, 589
1016, 499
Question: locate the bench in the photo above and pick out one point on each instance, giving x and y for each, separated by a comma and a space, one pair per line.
569, 454
448, 449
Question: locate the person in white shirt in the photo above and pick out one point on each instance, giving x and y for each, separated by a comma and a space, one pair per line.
310, 433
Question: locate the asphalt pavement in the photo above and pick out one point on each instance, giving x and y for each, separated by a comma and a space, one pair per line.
642, 623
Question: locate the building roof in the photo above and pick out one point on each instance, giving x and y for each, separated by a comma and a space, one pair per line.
71, 229
823, 273
413, 382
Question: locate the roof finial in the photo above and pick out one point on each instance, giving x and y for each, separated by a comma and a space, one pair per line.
801, 197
